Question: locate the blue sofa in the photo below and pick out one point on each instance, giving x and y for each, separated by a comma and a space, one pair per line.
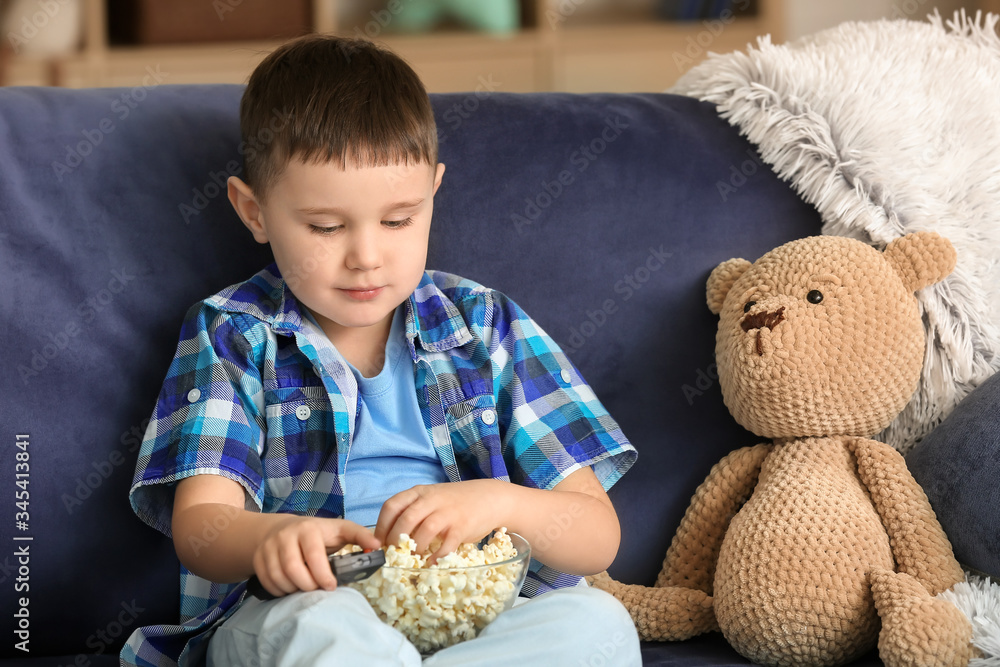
602, 215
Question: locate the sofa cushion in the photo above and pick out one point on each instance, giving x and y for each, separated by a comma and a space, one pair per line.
958, 464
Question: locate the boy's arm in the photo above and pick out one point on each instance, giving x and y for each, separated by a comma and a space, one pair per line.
217, 539
573, 527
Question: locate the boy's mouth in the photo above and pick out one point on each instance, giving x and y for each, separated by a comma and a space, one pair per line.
362, 293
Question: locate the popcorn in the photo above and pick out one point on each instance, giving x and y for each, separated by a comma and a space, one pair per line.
440, 605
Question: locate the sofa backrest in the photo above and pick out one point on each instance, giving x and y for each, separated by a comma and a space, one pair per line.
602, 215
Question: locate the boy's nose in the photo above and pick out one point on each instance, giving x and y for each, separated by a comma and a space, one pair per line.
365, 252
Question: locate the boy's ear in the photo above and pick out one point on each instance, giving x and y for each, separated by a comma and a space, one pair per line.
243, 200
437, 177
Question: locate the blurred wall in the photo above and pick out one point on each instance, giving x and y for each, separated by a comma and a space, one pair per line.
803, 17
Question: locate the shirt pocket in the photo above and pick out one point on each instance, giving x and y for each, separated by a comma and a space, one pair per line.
474, 425
301, 441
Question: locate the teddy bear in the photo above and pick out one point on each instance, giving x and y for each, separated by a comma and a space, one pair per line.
814, 547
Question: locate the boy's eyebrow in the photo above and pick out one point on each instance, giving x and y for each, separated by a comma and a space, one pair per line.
313, 210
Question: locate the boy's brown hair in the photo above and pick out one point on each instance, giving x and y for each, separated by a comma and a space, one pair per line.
322, 98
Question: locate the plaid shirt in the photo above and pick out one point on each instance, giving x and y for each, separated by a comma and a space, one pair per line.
254, 396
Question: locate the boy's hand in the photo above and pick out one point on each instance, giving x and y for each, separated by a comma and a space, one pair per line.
455, 512
293, 554
571, 527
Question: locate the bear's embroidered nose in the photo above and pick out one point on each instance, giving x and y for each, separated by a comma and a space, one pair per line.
763, 320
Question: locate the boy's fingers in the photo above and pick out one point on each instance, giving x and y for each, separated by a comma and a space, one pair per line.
448, 544
317, 563
386, 521
293, 567
395, 513
414, 522
429, 529
319, 571
263, 567
274, 581
357, 534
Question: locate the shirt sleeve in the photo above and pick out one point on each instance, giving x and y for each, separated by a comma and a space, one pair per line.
555, 423
208, 417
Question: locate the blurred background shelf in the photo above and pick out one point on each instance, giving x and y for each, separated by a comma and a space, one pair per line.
558, 45
567, 45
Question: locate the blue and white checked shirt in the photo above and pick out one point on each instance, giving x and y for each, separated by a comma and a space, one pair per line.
253, 396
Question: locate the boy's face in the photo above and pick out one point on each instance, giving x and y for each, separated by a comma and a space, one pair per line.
351, 243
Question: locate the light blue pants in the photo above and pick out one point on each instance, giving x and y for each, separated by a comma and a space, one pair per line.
576, 627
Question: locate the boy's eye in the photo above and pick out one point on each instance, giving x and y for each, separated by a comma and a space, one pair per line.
316, 229
396, 224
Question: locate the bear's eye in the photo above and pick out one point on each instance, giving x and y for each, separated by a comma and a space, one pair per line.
748, 305
814, 296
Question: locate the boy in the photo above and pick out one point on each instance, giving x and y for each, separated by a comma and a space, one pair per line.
344, 386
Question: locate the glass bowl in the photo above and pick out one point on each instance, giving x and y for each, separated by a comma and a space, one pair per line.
437, 606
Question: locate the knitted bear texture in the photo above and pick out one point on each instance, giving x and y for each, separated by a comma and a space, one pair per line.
817, 546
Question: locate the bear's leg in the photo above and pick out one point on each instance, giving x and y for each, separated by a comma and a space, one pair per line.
669, 613
918, 630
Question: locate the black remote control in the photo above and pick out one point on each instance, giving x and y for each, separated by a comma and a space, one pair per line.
348, 568
357, 566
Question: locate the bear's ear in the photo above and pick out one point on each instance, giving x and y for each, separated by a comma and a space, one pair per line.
921, 258
721, 281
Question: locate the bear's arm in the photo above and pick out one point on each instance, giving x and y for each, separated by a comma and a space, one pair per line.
919, 544
691, 559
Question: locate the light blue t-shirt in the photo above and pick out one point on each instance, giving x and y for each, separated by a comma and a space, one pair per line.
391, 450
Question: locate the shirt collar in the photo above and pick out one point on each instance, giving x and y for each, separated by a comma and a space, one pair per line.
431, 316
266, 297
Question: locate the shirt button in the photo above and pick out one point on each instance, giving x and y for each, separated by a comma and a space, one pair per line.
194, 395
489, 417
566, 377
303, 412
